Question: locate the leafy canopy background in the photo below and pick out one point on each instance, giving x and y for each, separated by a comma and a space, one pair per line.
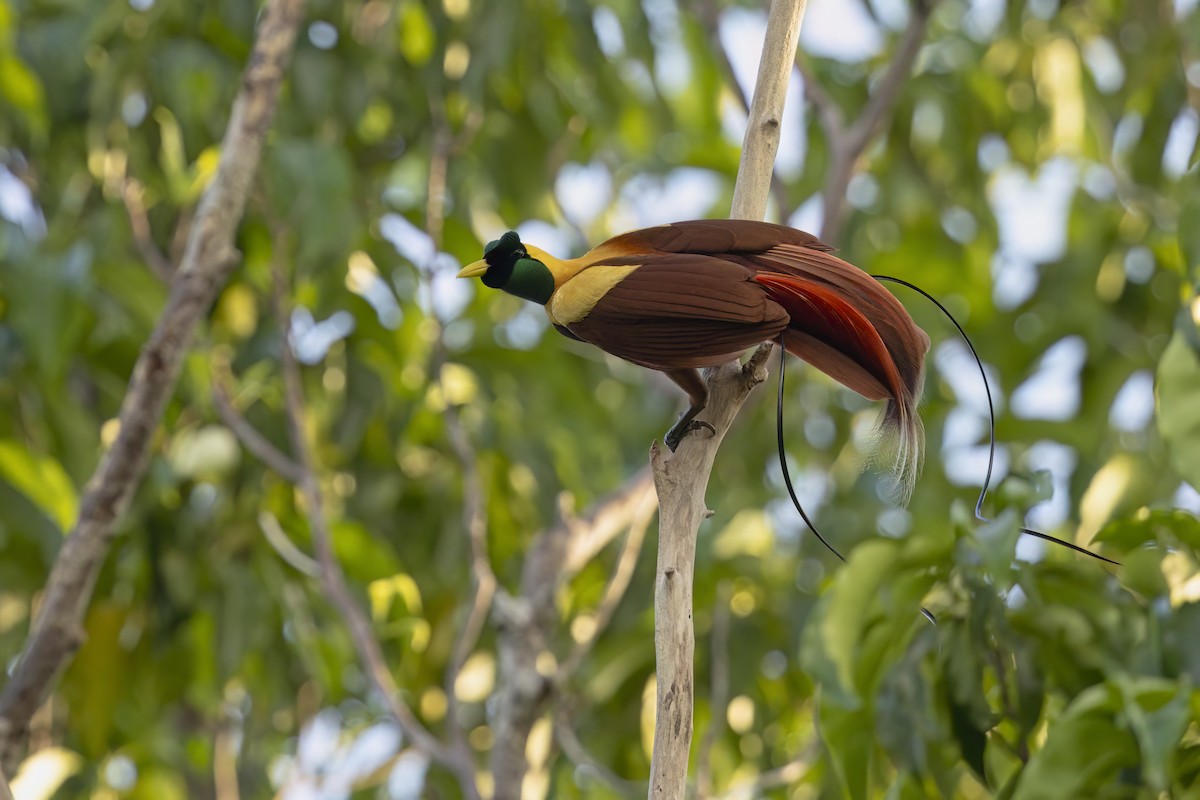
1037, 175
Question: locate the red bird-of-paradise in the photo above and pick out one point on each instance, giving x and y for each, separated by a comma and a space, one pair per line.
688, 295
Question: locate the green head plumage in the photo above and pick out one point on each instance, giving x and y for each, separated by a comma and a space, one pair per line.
510, 268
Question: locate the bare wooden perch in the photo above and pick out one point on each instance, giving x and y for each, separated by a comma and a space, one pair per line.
207, 262
681, 478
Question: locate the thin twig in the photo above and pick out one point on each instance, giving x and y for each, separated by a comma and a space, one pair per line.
204, 268
573, 749
839, 165
829, 113
780, 776
285, 547
275, 459
250, 437
885, 93
718, 691
361, 633
226, 746
526, 623
474, 513
710, 16
482, 577
183, 231
435, 186
143, 237
614, 591
847, 143
588, 535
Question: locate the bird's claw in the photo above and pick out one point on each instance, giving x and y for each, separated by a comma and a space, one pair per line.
683, 428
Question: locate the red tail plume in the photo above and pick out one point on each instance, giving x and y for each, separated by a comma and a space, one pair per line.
861, 337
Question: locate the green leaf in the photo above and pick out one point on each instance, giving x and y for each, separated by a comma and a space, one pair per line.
905, 720
1031, 690
835, 640
846, 733
996, 542
416, 33
1084, 751
1143, 573
1189, 235
1181, 645
1158, 711
362, 553
1164, 526
312, 188
23, 91
1178, 406
972, 741
48, 306
100, 665
43, 480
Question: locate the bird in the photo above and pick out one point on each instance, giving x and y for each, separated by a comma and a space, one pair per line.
687, 295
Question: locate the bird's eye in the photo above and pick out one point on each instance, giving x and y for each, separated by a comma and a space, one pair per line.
520, 253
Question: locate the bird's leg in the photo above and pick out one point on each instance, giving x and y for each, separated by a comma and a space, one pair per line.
690, 381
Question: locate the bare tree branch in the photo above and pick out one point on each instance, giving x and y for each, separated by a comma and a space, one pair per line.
840, 163
249, 436
528, 621
829, 113
885, 93
226, 747
618, 583
285, 547
5, 789
590, 534
474, 514
847, 143
682, 477
680, 480
525, 624
780, 776
573, 749
57, 631
370, 654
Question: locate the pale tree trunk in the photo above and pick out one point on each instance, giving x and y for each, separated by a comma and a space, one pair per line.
681, 477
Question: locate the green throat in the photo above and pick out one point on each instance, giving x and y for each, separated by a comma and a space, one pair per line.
531, 280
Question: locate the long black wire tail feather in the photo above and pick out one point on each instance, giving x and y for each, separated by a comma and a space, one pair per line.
787, 477
987, 479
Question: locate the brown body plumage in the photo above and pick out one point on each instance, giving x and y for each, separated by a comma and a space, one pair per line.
695, 294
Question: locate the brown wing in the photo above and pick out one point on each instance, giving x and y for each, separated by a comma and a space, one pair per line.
713, 237
678, 311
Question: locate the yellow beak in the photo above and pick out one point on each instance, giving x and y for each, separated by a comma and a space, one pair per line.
473, 270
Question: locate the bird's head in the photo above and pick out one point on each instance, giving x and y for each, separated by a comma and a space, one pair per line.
508, 265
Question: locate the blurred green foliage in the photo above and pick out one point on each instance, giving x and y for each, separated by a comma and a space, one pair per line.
1048, 675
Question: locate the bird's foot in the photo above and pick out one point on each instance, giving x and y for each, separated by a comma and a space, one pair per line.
682, 428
